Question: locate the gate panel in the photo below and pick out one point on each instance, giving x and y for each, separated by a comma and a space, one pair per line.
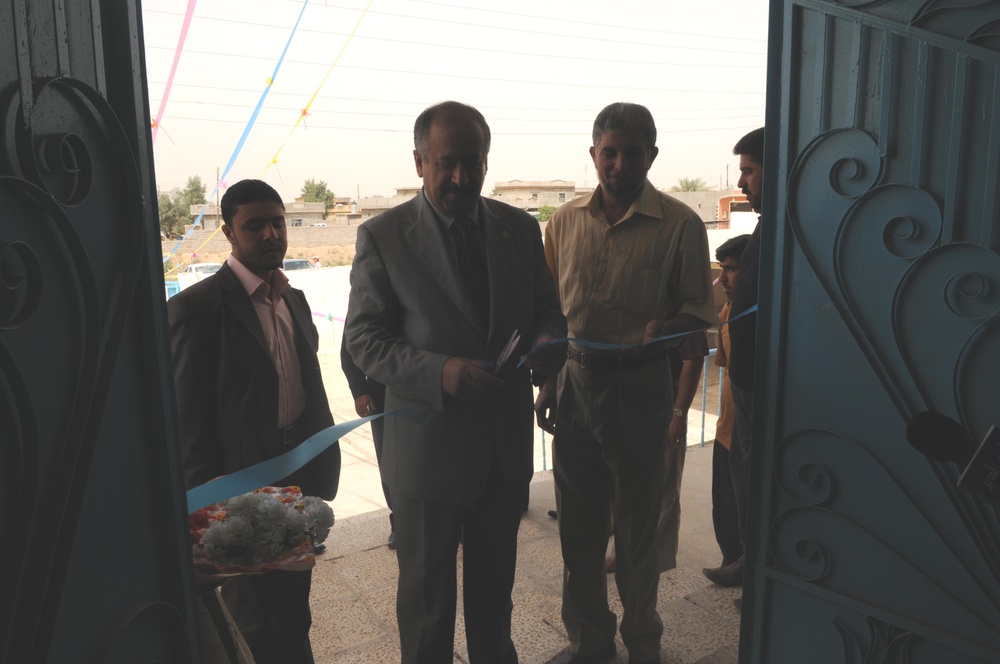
95, 561
881, 299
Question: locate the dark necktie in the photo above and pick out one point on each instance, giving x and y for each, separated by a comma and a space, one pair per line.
472, 264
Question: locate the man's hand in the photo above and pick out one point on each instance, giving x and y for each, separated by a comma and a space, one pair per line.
654, 330
678, 431
548, 360
365, 405
466, 379
545, 406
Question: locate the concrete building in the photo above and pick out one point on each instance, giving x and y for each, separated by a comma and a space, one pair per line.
712, 205
371, 206
297, 213
530, 195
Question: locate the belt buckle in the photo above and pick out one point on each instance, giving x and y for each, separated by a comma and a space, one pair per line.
288, 435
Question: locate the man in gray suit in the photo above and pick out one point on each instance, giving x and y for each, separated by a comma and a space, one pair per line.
439, 285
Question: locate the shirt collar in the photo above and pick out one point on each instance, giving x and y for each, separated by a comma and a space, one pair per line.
252, 283
445, 220
646, 204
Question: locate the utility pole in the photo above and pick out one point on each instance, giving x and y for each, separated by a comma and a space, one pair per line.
218, 207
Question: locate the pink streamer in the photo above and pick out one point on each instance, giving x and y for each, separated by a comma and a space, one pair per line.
188, 15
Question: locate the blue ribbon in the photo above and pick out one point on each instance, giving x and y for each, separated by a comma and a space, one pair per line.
599, 345
264, 473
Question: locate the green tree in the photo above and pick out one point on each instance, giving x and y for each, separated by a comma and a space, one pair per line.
194, 191
175, 205
687, 184
314, 191
544, 212
172, 214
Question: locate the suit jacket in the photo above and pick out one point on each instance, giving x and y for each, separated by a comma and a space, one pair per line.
357, 381
227, 386
409, 311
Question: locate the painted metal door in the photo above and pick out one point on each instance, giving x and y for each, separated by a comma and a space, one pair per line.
94, 556
880, 298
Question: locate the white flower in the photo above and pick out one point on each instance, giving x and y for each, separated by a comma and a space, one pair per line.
318, 517
255, 529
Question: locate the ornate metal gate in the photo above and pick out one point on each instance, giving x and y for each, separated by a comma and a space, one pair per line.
880, 298
94, 560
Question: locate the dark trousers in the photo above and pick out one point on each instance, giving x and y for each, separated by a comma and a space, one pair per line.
378, 429
272, 612
739, 454
427, 539
724, 514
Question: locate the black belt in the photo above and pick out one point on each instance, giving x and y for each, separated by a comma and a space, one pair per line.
290, 435
612, 361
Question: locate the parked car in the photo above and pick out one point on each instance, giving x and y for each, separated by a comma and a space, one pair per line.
296, 264
203, 269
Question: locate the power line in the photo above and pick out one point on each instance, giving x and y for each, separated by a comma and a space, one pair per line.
553, 56
473, 25
296, 109
407, 72
593, 24
409, 130
422, 104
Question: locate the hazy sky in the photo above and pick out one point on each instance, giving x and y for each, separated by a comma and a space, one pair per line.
539, 71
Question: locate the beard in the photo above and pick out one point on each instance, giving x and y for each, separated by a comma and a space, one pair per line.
622, 189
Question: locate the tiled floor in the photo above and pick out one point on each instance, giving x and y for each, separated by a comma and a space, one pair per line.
354, 582
353, 594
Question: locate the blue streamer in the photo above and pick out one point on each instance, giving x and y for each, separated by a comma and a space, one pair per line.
243, 138
598, 345
264, 473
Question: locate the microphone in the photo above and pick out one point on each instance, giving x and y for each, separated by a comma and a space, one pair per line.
943, 439
939, 437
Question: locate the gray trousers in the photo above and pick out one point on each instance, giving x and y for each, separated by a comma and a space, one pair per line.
611, 433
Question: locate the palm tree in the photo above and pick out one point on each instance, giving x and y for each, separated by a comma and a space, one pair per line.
687, 184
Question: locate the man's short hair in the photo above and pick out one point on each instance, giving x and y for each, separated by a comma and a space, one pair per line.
627, 118
732, 248
247, 191
422, 127
753, 145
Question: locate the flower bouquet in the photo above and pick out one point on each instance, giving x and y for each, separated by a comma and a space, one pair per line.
271, 528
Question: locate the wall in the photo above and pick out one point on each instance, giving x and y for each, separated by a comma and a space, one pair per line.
299, 237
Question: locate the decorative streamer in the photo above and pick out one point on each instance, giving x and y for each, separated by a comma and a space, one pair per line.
243, 137
305, 111
600, 345
188, 15
264, 473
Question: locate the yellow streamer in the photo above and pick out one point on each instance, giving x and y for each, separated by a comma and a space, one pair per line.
207, 240
305, 111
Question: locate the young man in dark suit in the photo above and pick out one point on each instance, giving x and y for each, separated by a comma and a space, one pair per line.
249, 388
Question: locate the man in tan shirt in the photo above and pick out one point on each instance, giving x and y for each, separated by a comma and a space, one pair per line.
630, 264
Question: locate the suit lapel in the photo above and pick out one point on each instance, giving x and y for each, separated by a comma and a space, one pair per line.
239, 303
434, 250
301, 316
498, 242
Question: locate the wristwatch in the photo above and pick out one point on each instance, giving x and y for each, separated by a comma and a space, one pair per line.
679, 413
